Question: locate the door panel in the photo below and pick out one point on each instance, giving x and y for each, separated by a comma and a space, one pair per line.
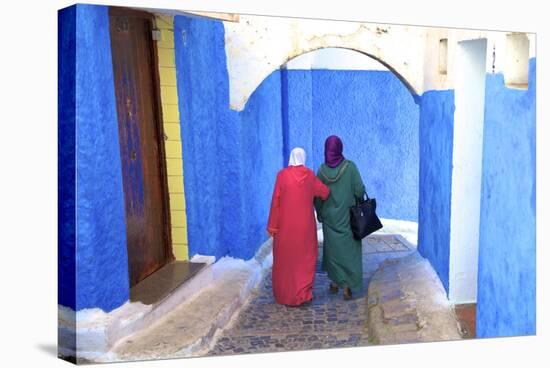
141, 150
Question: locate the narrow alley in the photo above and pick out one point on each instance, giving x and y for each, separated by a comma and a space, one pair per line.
260, 325
329, 321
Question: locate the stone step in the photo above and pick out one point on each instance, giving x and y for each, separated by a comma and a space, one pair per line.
407, 303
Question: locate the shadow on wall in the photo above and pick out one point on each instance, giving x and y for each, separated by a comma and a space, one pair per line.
436, 151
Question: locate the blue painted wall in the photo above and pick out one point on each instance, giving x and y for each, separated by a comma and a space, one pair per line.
436, 150
66, 281
230, 159
101, 259
297, 100
261, 148
379, 128
202, 93
376, 117
506, 301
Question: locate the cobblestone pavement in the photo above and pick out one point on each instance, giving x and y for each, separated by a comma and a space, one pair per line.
329, 321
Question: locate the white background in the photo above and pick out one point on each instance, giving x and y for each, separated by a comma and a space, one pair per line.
28, 192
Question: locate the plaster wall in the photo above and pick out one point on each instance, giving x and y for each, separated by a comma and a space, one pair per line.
337, 91
378, 120
66, 146
256, 46
497, 58
506, 297
436, 156
334, 59
230, 159
88, 128
101, 261
466, 176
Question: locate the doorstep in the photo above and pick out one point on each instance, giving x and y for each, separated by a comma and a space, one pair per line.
165, 303
97, 331
164, 281
193, 327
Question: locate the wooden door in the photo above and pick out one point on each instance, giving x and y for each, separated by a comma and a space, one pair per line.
141, 147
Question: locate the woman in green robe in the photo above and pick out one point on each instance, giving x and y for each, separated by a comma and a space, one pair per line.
342, 256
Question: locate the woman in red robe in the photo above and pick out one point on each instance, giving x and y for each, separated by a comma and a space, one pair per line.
294, 231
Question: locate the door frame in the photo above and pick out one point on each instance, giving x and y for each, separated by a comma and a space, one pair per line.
157, 111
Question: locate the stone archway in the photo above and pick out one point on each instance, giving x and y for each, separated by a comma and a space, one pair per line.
350, 94
256, 46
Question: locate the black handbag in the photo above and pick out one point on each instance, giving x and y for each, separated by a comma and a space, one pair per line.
363, 218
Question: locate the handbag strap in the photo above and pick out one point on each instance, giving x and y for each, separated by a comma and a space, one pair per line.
340, 173
362, 198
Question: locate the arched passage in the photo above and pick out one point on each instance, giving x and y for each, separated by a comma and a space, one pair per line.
385, 64
344, 92
231, 107
257, 46
231, 157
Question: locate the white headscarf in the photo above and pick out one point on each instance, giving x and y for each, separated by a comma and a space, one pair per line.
297, 157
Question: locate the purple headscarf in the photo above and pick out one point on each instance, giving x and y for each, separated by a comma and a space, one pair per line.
333, 151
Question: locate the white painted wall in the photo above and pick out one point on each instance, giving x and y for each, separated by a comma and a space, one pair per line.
302, 62
256, 46
466, 176
335, 59
516, 65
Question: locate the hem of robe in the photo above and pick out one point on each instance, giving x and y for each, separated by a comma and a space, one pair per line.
297, 301
341, 284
